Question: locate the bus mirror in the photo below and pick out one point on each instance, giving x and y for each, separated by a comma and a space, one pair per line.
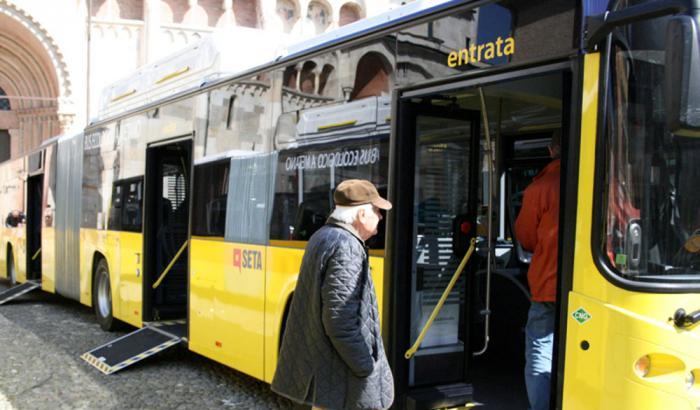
682, 77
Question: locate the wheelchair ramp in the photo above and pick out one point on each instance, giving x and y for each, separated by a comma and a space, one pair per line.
136, 346
18, 290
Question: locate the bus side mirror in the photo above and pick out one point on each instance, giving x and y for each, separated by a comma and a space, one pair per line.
682, 77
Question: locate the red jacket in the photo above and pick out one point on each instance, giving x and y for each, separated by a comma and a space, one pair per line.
537, 229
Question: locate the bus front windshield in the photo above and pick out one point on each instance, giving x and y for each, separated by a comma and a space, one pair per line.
652, 204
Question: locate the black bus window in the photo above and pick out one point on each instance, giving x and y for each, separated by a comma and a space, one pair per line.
115, 210
210, 196
132, 206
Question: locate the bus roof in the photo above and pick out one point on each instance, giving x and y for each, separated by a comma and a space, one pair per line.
216, 58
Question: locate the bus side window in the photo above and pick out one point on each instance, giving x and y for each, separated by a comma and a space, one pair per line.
115, 210
210, 197
133, 206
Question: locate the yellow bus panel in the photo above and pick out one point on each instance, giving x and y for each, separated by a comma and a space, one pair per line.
129, 278
622, 350
48, 259
227, 303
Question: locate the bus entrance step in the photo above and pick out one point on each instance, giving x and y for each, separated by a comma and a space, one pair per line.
18, 290
437, 397
154, 337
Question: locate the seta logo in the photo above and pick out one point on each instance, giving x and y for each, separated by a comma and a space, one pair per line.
247, 259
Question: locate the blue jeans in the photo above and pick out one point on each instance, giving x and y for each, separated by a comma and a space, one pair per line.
539, 338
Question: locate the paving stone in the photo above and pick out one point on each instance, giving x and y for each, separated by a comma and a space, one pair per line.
42, 337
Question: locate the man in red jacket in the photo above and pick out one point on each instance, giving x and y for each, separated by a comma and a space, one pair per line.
537, 229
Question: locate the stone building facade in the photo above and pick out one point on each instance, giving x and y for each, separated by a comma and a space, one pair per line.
55, 57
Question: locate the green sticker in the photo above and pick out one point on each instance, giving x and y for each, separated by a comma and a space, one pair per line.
621, 260
581, 315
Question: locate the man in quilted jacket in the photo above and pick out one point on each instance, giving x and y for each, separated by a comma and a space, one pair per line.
332, 355
537, 229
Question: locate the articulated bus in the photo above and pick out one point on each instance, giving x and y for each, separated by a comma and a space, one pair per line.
184, 208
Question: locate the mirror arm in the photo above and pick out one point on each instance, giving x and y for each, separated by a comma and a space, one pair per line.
600, 25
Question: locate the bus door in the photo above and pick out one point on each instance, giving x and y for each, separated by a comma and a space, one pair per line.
166, 246
439, 143
35, 190
456, 192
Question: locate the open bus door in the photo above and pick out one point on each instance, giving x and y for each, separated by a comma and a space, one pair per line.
35, 189
474, 351
164, 245
436, 214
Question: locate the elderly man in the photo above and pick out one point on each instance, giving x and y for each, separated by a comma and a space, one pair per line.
332, 355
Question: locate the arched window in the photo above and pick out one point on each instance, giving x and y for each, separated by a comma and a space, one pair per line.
288, 14
319, 14
324, 81
4, 134
4, 102
290, 77
349, 13
307, 82
246, 12
372, 76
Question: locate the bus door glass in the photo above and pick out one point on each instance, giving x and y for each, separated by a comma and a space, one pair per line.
444, 196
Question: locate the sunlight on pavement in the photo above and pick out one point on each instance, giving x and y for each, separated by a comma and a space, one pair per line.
4, 403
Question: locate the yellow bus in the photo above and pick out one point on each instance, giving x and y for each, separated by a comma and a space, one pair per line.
184, 208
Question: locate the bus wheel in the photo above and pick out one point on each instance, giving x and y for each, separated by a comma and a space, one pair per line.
102, 296
11, 268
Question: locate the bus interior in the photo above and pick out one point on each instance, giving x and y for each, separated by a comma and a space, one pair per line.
35, 190
478, 338
166, 231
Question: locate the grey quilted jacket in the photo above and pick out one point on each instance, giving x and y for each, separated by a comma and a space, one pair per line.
332, 355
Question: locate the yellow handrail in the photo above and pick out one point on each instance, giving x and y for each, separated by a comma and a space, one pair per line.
410, 352
170, 265
36, 254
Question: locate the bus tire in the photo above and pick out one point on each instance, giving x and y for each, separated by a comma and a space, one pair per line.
11, 268
102, 296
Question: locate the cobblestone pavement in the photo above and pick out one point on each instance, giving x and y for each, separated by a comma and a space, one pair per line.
42, 337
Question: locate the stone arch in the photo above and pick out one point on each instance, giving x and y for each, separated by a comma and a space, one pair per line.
195, 15
349, 13
307, 78
319, 16
288, 13
247, 13
34, 72
113, 9
290, 77
326, 83
173, 11
372, 76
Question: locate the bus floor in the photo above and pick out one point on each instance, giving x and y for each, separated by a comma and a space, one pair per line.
498, 374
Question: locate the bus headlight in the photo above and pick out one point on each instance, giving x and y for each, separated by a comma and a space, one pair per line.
642, 366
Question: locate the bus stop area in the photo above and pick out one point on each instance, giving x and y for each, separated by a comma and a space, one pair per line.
42, 337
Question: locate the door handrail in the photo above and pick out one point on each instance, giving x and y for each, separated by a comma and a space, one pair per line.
170, 265
410, 352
